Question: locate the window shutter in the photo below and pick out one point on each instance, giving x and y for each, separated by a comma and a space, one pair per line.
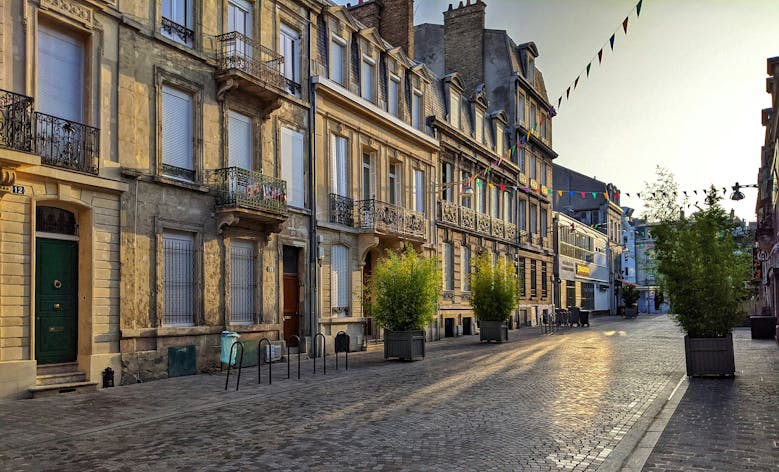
60, 75
339, 283
177, 128
419, 188
339, 166
393, 97
337, 63
292, 170
240, 140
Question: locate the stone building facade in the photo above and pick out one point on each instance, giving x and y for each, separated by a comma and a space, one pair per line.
60, 196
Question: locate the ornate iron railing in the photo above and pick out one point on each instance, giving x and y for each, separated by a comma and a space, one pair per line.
184, 34
380, 216
178, 172
15, 121
67, 144
237, 51
497, 228
341, 210
468, 218
241, 188
510, 231
483, 223
448, 212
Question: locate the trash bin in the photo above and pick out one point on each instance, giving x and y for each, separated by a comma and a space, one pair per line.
228, 339
584, 318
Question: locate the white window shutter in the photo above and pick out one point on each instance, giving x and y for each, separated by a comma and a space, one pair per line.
419, 190
337, 63
240, 140
339, 167
177, 128
339, 281
60, 75
292, 170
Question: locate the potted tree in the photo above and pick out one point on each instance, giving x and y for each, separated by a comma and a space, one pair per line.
630, 296
703, 272
405, 290
494, 295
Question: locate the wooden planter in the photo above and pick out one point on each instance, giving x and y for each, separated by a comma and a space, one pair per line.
763, 327
408, 345
497, 331
709, 356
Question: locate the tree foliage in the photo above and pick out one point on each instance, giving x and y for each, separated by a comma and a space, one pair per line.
494, 289
702, 269
661, 198
404, 290
629, 295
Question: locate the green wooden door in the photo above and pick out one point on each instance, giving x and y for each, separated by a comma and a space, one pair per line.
56, 300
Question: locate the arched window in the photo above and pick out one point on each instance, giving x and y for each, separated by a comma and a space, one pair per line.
55, 220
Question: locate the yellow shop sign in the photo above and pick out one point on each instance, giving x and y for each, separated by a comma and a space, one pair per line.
582, 270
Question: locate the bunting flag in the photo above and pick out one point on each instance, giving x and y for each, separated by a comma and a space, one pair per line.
611, 41
559, 100
638, 8
575, 83
600, 55
588, 69
625, 25
568, 93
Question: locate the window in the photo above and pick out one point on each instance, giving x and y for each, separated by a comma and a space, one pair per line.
478, 126
533, 118
240, 139
367, 78
522, 215
543, 280
511, 214
481, 196
368, 177
531, 70
60, 75
416, 109
466, 198
454, 109
339, 277
177, 136
241, 282
419, 190
520, 108
543, 128
289, 47
521, 158
448, 266
177, 23
446, 182
533, 218
292, 167
337, 55
339, 166
543, 222
533, 281
179, 279
394, 184
588, 296
466, 270
394, 87
570, 293
544, 170
531, 165
495, 201
499, 138
523, 274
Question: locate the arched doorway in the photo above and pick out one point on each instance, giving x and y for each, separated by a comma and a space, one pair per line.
56, 285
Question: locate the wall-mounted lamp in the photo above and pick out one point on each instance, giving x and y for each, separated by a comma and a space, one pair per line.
737, 193
468, 190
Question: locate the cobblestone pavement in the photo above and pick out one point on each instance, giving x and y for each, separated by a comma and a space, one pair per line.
576, 400
727, 424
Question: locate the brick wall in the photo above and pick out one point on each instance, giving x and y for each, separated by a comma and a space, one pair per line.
464, 42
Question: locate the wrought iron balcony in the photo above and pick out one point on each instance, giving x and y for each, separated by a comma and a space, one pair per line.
246, 189
483, 223
293, 87
251, 65
450, 213
63, 143
510, 231
178, 32
498, 228
341, 210
374, 215
15, 121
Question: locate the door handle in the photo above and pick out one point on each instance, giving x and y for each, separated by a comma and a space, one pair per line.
56, 306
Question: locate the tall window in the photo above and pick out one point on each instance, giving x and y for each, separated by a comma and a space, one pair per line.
499, 138
339, 277
522, 215
543, 222
478, 126
446, 181
496, 201
337, 61
60, 75
508, 204
393, 94
448, 261
544, 170
466, 198
177, 136
531, 165
533, 281
368, 177
543, 280
177, 23
521, 158
454, 108
588, 296
339, 159
394, 183
533, 218
481, 196
179, 280
419, 190
241, 281
533, 120
466, 270
531, 70
240, 140
292, 167
520, 107
289, 47
367, 78
523, 273
416, 109
570, 293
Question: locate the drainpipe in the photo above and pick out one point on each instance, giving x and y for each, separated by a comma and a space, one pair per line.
313, 265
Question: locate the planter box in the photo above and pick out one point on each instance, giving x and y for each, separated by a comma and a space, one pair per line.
493, 331
763, 327
631, 312
408, 345
709, 356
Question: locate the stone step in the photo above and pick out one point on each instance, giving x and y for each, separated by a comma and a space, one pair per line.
61, 378
49, 369
40, 391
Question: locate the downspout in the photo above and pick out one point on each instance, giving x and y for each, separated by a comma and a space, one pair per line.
313, 238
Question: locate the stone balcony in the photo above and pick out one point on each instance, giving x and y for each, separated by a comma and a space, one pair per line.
243, 63
465, 218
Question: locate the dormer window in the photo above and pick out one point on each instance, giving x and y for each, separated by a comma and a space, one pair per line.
337, 55
533, 121
417, 101
499, 138
454, 109
393, 94
367, 78
531, 69
478, 125
520, 108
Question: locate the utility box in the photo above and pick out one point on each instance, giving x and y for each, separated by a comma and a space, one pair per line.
228, 339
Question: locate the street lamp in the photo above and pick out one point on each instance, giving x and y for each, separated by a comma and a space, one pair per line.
737, 193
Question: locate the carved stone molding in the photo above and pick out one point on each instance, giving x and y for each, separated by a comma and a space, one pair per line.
7, 177
71, 9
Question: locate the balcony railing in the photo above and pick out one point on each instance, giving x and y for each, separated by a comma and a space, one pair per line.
376, 215
67, 144
498, 228
15, 121
241, 188
293, 87
237, 51
178, 32
341, 210
467, 218
510, 231
483, 223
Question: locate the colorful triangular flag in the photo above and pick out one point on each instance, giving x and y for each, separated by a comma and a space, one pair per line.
611, 41
600, 55
588, 69
568, 93
576, 82
625, 25
638, 8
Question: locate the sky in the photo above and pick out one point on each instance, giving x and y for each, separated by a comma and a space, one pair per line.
683, 89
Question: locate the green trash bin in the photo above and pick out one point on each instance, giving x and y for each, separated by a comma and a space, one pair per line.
228, 339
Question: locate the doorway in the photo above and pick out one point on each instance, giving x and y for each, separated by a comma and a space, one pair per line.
291, 295
56, 300
467, 328
448, 327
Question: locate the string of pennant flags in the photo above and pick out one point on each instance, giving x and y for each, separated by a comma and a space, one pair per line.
599, 55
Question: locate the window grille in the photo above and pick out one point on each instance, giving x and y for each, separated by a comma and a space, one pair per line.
179, 269
241, 282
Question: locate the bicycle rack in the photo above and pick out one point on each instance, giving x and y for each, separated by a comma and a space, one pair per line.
230, 363
259, 361
342, 345
314, 346
294, 336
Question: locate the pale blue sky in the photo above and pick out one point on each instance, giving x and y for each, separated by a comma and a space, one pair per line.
683, 89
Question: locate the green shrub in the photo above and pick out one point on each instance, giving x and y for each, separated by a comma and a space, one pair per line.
404, 290
494, 289
629, 295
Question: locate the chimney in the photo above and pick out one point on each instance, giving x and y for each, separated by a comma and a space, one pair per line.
394, 20
464, 42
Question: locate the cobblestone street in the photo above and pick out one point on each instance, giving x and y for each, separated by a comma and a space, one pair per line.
577, 400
